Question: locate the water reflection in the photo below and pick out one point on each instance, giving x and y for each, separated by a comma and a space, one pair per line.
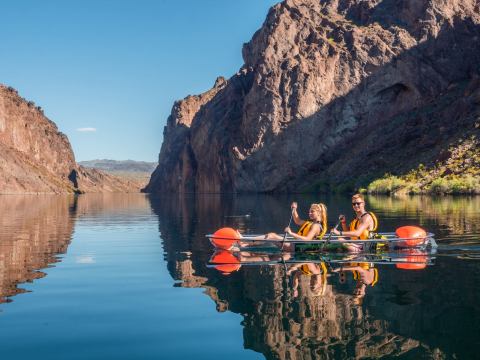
33, 234
36, 230
302, 311
456, 219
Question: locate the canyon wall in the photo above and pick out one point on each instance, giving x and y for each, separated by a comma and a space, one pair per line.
36, 158
331, 92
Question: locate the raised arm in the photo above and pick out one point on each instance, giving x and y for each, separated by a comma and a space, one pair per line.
296, 218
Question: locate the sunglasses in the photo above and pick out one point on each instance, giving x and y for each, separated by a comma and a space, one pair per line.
357, 203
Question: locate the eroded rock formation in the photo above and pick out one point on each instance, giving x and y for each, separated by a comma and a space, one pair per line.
331, 92
36, 158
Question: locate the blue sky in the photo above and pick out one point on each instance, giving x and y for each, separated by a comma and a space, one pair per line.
117, 66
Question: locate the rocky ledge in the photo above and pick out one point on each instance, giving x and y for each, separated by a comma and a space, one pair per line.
331, 92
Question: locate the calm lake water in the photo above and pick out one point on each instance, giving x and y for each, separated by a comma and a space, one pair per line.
126, 276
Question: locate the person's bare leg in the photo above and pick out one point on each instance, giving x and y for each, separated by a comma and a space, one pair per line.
269, 236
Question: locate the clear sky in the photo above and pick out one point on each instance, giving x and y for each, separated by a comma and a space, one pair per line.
113, 68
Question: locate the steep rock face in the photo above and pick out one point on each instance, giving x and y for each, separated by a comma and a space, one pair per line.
36, 158
177, 164
332, 91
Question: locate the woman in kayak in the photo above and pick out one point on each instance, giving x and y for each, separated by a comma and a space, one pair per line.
317, 274
311, 229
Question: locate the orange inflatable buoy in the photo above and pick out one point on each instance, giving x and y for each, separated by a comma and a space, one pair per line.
227, 263
414, 260
224, 238
413, 236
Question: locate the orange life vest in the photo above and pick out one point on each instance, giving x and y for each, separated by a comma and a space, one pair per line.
307, 225
366, 234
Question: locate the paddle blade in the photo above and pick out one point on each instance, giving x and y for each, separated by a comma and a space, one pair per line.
224, 238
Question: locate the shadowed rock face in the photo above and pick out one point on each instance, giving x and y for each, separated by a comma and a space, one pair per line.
36, 158
331, 91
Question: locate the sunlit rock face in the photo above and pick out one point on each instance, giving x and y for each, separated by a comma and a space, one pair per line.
330, 90
36, 158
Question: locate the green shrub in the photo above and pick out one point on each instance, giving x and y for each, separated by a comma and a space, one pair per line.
466, 184
387, 185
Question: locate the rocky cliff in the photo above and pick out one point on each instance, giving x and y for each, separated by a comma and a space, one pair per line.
331, 92
36, 158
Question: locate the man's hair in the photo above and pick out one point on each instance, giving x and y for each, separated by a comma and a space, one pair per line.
358, 196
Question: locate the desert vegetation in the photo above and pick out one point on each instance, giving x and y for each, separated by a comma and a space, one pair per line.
457, 171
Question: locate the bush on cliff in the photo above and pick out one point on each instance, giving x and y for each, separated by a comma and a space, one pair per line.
455, 185
457, 171
387, 185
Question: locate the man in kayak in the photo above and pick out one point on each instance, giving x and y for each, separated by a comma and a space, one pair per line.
361, 227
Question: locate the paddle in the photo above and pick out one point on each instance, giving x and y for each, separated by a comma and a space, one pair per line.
330, 235
285, 235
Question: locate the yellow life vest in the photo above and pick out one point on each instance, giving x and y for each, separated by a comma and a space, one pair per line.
367, 234
307, 225
356, 275
305, 270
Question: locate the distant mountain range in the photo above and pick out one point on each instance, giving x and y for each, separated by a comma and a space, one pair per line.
127, 166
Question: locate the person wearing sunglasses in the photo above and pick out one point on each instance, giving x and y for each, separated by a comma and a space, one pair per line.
364, 224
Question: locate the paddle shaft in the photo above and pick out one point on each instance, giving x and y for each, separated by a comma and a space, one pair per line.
330, 235
285, 235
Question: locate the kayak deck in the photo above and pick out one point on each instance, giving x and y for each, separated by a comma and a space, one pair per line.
389, 239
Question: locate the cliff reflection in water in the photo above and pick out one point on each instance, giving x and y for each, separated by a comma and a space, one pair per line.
456, 218
34, 230
418, 313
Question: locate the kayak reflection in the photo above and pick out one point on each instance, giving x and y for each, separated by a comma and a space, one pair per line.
318, 268
405, 314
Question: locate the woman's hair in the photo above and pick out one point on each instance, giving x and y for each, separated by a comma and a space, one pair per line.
322, 209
